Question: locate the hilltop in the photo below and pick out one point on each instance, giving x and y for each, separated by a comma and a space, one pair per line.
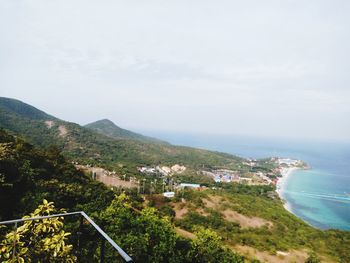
108, 128
16, 107
85, 145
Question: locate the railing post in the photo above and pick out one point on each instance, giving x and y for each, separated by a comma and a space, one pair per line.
104, 236
102, 250
79, 233
14, 244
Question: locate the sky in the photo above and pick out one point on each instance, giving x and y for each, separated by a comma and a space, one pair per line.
257, 68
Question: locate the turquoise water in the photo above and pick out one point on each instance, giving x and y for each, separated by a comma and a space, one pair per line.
316, 197
320, 196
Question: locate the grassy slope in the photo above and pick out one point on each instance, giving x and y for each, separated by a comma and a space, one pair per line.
88, 146
286, 233
28, 175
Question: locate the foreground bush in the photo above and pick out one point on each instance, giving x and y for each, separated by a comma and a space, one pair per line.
38, 240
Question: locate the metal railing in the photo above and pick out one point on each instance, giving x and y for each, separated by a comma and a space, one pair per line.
105, 237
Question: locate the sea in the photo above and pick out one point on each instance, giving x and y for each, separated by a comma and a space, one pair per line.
320, 196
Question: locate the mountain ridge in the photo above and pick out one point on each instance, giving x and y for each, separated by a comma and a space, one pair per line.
87, 146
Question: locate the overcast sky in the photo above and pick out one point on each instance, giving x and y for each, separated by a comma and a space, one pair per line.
265, 68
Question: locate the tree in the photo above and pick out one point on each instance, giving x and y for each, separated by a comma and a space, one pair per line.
144, 235
312, 258
38, 240
207, 247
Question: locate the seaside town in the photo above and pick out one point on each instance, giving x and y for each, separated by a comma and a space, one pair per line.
252, 172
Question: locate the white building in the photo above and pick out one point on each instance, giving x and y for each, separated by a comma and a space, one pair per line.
183, 185
169, 194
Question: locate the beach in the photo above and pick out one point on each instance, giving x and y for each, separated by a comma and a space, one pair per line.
281, 184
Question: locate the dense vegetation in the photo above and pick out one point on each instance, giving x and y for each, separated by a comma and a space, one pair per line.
29, 175
283, 232
38, 241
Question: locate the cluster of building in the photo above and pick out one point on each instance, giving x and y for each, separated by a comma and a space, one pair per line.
229, 176
162, 170
223, 175
250, 162
264, 178
289, 162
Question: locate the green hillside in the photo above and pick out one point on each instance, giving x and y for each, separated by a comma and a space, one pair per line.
29, 175
247, 218
19, 108
193, 227
108, 128
87, 146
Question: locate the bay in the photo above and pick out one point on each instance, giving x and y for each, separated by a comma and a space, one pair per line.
320, 196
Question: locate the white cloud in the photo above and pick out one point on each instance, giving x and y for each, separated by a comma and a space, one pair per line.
179, 65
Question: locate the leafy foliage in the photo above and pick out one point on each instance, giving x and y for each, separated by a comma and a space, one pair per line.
286, 232
149, 237
29, 175
313, 258
146, 236
207, 247
38, 240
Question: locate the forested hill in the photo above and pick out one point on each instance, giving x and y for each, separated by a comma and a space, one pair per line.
108, 128
15, 107
84, 145
244, 216
29, 175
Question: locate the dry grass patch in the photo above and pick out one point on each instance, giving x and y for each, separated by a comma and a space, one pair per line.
63, 131
184, 233
49, 124
213, 201
180, 211
217, 202
202, 212
297, 256
245, 221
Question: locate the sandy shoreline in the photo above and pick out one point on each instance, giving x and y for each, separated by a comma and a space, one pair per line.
281, 184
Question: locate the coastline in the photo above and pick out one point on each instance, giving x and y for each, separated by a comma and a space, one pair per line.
282, 182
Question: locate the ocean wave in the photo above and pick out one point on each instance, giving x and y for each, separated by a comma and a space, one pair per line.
329, 197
